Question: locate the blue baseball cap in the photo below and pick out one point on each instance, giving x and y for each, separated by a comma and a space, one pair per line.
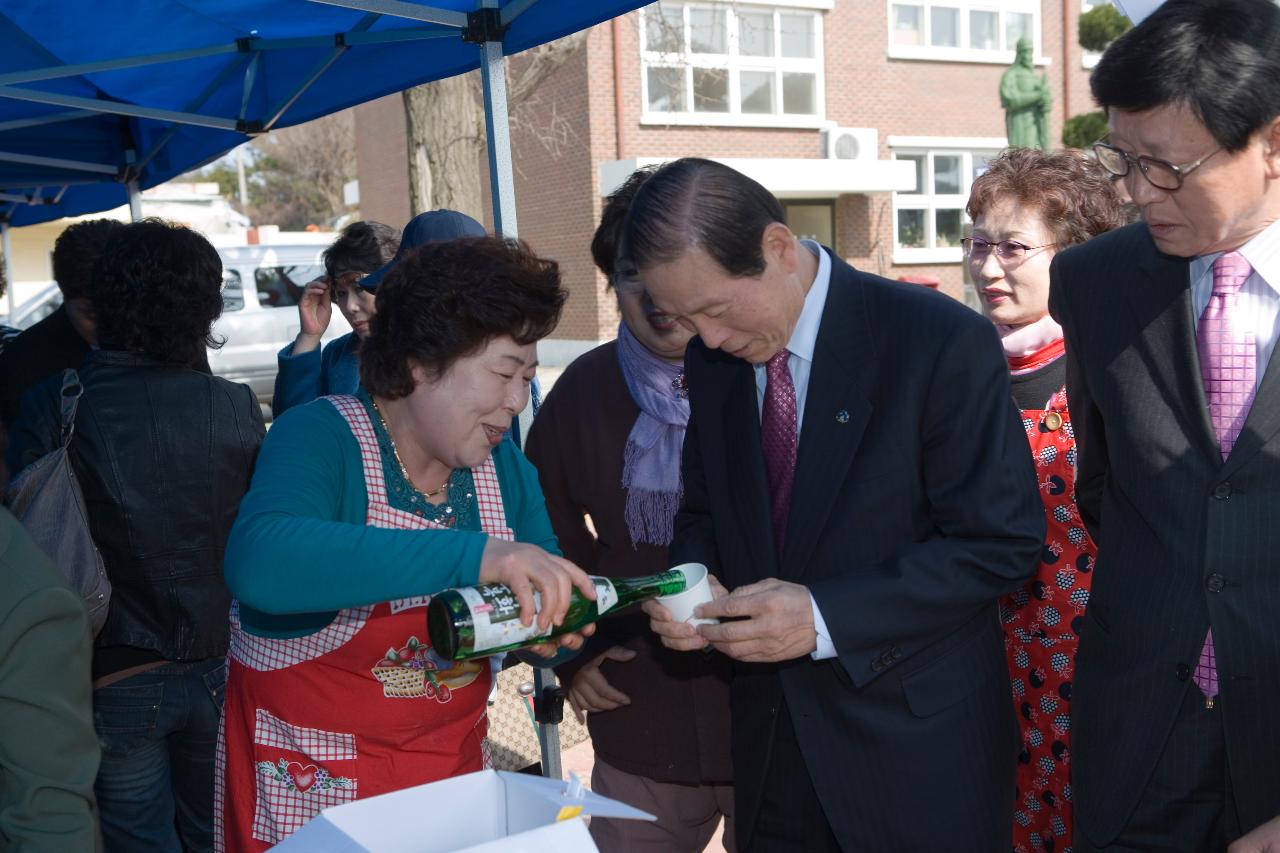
434, 226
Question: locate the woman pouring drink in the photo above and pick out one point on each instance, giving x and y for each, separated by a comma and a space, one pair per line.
361, 508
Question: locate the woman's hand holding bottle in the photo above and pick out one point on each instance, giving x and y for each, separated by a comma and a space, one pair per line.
524, 569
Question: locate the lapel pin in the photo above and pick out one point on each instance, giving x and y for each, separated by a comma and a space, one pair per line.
842, 417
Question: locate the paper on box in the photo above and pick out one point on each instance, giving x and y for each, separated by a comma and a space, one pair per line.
465, 813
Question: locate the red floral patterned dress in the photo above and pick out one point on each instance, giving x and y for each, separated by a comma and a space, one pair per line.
1041, 623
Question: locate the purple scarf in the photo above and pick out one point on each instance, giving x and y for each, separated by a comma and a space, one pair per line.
651, 462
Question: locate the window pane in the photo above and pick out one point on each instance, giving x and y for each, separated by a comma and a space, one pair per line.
908, 25
281, 287
811, 220
232, 290
918, 160
707, 32
664, 29
946, 228
666, 90
710, 90
1016, 25
797, 36
798, 94
755, 34
984, 30
757, 92
944, 27
911, 229
946, 174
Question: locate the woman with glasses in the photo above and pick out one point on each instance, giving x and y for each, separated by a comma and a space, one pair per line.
1028, 206
304, 371
354, 265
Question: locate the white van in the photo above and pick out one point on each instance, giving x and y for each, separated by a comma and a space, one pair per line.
261, 288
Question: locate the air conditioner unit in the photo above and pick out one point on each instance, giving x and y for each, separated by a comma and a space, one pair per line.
851, 143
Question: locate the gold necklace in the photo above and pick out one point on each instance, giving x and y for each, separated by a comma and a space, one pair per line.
444, 487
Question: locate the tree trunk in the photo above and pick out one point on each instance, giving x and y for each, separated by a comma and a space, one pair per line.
446, 133
445, 143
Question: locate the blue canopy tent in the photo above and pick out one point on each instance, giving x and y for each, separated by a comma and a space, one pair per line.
99, 100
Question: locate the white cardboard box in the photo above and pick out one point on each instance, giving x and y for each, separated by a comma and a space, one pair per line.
481, 812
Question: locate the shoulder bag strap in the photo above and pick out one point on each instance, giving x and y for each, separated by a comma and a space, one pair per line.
70, 399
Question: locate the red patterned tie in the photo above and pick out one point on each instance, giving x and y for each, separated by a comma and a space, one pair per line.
1228, 366
778, 440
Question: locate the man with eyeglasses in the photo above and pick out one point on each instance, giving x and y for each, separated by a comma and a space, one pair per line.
1170, 326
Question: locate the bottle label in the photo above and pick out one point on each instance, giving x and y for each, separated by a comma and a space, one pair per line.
495, 614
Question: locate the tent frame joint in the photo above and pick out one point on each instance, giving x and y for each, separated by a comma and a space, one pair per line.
484, 25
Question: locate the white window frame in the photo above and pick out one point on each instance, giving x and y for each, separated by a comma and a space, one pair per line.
963, 53
930, 148
732, 63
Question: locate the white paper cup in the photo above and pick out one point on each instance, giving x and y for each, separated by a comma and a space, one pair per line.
697, 590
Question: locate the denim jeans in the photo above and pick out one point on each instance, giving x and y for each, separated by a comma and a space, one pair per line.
159, 731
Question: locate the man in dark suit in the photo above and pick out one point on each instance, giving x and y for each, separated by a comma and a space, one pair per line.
855, 473
1170, 325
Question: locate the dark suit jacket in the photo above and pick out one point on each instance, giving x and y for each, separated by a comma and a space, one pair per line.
48, 347
1185, 540
908, 519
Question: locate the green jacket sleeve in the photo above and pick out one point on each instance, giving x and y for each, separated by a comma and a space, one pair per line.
49, 751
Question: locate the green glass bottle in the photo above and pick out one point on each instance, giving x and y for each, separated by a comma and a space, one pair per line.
481, 620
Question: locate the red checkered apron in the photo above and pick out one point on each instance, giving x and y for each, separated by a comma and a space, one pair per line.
359, 708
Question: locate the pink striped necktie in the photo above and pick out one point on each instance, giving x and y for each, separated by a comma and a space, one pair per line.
1229, 368
778, 440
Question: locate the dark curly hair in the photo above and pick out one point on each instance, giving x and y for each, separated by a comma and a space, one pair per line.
447, 300
157, 290
604, 245
76, 251
361, 247
1074, 195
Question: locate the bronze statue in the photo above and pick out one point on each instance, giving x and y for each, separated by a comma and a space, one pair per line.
1024, 93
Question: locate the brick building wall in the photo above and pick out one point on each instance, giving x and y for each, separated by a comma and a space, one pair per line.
557, 185
382, 164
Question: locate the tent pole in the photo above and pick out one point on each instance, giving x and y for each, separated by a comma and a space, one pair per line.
8, 266
135, 202
502, 184
493, 72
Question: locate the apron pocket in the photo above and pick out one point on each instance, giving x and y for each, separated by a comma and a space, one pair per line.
298, 772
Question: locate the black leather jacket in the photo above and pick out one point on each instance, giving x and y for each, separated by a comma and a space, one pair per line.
163, 455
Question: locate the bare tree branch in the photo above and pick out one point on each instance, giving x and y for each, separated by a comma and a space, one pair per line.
446, 127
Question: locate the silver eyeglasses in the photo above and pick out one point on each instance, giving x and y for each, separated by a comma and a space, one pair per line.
1162, 174
976, 248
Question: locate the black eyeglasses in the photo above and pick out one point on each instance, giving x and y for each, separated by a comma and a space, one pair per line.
977, 248
1161, 174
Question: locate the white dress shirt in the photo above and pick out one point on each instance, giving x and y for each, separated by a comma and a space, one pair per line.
804, 338
1258, 305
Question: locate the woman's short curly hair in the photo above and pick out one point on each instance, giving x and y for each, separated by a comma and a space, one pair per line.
1074, 195
157, 288
447, 300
